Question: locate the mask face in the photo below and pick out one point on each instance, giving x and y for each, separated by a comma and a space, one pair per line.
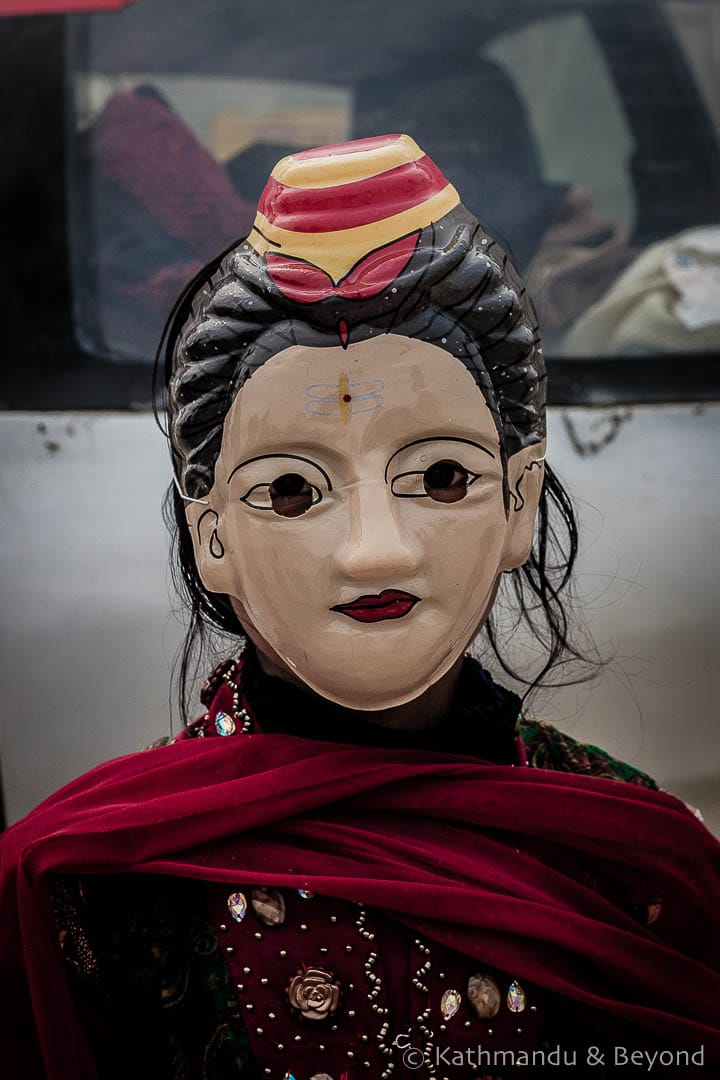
357, 520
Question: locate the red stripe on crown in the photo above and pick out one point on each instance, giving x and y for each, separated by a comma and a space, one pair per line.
345, 206
306, 284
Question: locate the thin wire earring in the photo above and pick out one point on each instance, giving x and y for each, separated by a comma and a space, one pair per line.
186, 498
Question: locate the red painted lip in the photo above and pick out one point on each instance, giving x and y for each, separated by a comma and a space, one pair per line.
389, 604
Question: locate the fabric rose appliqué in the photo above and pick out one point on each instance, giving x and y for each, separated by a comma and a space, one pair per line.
314, 993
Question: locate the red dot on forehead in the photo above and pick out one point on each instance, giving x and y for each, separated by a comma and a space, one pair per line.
347, 397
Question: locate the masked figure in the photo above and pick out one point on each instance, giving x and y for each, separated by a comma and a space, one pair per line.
361, 861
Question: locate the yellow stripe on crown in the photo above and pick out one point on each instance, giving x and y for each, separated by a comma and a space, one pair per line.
337, 252
333, 169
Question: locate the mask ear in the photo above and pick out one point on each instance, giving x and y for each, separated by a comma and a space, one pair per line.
526, 472
209, 549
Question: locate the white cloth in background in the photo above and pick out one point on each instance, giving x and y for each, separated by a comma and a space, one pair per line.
668, 300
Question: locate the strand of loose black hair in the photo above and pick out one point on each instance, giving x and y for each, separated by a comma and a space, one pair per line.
546, 581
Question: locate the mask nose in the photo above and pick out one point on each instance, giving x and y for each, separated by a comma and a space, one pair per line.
378, 547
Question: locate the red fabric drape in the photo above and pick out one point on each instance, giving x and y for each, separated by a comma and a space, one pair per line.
474, 855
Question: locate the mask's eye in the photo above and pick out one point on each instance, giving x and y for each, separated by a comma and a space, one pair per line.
445, 481
289, 495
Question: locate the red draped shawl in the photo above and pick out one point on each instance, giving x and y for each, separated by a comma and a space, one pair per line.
488, 859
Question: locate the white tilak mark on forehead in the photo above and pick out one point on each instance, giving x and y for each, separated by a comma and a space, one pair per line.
345, 398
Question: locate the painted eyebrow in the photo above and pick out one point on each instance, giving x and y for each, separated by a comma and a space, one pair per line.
437, 438
294, 457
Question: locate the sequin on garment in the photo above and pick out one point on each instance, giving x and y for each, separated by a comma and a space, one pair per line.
269, 905
450, 1002
515, 997
484, 996
224, 724
237, 906
653, 912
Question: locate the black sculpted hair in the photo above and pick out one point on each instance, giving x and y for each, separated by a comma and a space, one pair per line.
459, 291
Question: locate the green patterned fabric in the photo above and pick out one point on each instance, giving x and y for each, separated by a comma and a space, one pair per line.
144, 959
548, 748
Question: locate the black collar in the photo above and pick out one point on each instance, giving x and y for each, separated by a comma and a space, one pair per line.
482, 720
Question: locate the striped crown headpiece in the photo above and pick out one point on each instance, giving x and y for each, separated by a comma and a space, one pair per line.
344, 220
349, 241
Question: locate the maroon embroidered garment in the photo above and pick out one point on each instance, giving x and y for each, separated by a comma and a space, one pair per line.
493, 862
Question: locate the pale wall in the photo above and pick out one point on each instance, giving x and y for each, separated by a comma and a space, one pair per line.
89, 634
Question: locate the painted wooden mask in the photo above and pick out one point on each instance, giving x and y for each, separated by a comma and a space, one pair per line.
358, 423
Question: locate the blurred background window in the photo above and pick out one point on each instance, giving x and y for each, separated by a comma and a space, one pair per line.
584, 135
